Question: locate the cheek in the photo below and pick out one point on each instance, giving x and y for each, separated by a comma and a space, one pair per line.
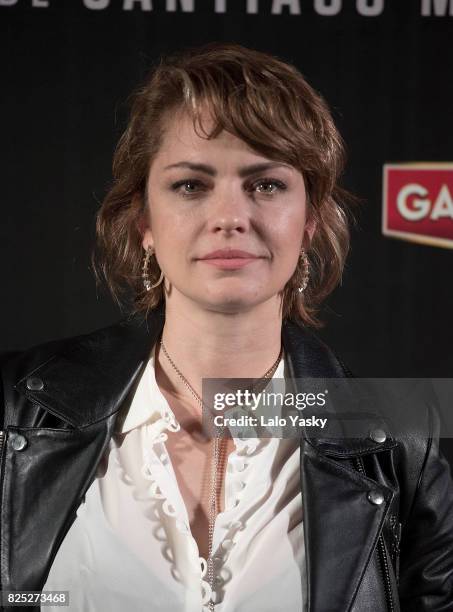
173, 242
286, 229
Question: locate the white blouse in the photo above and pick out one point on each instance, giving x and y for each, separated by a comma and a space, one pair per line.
131, 547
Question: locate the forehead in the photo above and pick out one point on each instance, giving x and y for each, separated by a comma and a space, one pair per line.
182, 138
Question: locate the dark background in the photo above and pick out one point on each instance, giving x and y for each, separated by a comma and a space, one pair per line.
67, 72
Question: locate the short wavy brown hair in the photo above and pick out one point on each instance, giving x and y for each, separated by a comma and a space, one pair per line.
269, 105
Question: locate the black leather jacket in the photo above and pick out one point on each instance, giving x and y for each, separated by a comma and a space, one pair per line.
60, 404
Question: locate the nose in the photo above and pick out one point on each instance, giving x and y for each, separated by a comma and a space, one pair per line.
229, 211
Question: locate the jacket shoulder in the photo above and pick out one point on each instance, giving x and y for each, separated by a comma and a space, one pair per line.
27, 359
105, 361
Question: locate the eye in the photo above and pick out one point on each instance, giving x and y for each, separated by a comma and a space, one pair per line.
190, 187
270, 185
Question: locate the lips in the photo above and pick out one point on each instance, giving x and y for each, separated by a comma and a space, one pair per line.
230, 254
230, 259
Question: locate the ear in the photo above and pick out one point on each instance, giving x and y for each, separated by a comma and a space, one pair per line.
309, 230
144, 229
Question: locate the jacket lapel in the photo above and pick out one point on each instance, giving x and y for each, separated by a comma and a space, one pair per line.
341, 526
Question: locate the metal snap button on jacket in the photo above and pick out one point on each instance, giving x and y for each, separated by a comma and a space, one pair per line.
378, 435
19, 442
34, 384
375, 497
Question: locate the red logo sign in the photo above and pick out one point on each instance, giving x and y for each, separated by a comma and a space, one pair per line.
418, 202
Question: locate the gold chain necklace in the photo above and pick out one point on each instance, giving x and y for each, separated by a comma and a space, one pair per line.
214, 464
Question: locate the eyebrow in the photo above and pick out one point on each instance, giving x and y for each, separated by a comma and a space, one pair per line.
245, 171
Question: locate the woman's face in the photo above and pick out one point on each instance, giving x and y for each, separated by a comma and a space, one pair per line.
208, 195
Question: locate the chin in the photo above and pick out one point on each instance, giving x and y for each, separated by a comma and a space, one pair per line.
233, 303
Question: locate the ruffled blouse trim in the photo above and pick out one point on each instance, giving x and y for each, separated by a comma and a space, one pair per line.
154, 433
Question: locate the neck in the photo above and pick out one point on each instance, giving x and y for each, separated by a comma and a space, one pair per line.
211, 344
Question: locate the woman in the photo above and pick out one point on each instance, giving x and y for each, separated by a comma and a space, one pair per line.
226, 222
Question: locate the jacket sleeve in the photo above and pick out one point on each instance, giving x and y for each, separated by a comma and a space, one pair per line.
426, 570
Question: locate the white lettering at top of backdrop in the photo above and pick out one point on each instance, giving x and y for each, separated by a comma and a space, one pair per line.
437, 8
323, 8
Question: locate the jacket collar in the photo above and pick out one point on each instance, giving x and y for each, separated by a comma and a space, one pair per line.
90, 376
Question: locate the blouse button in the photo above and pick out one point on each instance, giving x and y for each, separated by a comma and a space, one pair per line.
236, 525
227, 544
